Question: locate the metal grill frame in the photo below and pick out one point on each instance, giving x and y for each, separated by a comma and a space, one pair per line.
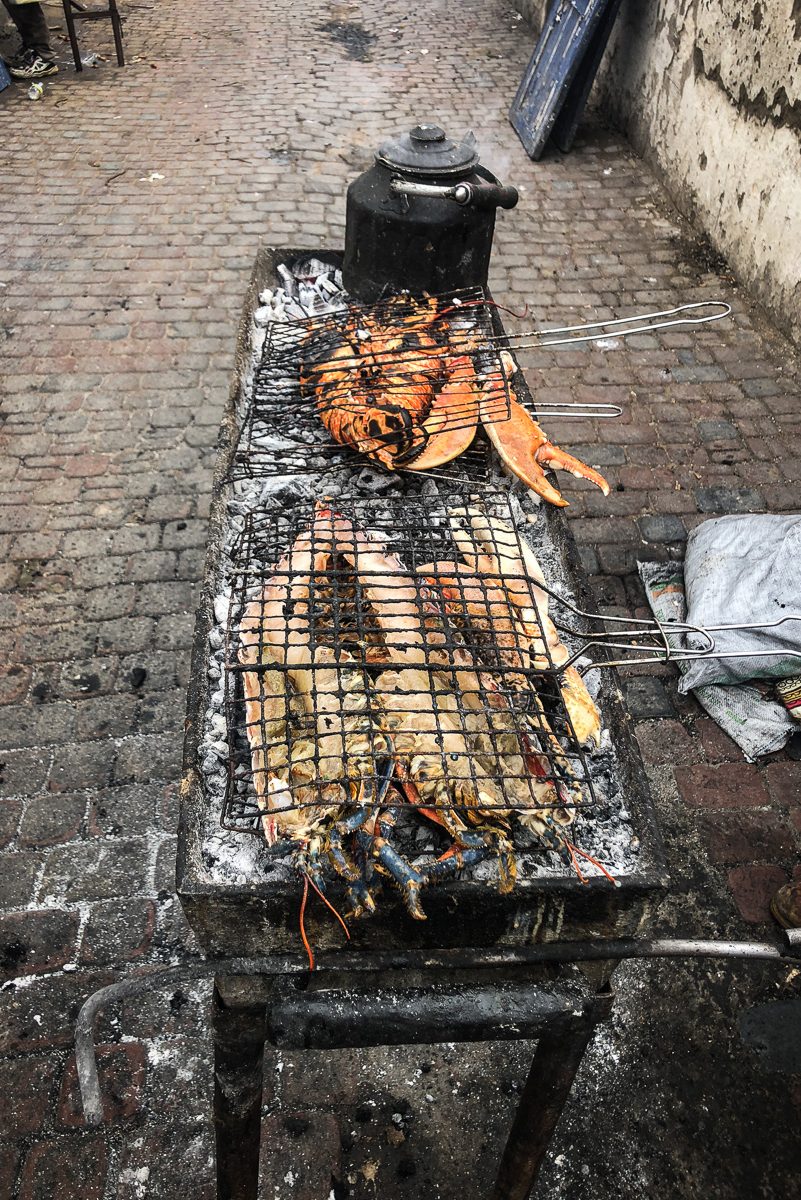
530, 702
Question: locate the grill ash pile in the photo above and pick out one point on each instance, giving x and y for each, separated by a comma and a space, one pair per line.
304, 467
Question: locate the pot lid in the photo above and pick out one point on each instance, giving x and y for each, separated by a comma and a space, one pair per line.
427, 150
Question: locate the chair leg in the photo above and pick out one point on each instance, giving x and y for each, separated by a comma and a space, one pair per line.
556, 1061
76, 50
116, 24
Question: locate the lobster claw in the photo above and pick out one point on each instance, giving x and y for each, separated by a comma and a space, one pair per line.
524, 448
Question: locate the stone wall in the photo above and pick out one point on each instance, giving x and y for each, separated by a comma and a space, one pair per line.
709, 92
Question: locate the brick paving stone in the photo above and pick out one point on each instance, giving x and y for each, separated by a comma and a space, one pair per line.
784, 782
28, 1085
68, 1166
714, 433
10, 814
81, 765
753, 889
718, 746
140, 759
17, 878
744, 836
121, 1071
96, 870
36, 941
9, 1163
667, 742
729, 785
50, 819
729, 500
286, 1145
662, 528
648, 698
87, 678
158, 1164
127, 809
106, 717
118, 931
23, 772
41, 1015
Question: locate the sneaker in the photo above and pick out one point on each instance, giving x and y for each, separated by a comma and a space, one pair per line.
31, 65
786, 905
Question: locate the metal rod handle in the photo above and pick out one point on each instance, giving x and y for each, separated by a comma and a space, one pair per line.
489, 195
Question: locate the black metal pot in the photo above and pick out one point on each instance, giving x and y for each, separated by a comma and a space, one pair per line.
422, 218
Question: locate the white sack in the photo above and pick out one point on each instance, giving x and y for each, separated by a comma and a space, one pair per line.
741, 570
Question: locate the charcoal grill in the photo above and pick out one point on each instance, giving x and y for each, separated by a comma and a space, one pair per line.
246, 904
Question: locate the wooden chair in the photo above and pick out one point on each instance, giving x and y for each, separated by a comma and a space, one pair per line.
74, 11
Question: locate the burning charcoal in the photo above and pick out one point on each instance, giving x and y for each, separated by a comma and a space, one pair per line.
210, 764
327, 287
258, 340
263, 316
310, 268
375, 482
221, 606
272, 441
288, 280
266, 297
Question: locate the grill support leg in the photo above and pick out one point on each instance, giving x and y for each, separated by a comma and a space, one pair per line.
238, 1064
556, 1060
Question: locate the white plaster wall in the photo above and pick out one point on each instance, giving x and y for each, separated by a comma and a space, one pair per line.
709, 91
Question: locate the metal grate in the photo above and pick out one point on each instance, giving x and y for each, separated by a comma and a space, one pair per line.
357, 380
350, 672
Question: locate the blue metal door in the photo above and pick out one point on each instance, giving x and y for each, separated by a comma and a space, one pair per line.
566, 36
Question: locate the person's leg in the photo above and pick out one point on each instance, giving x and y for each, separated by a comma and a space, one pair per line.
32, 25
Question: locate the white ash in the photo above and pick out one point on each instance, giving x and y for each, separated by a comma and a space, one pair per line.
238, 858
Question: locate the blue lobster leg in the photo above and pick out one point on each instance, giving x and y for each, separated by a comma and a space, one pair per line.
408, 879
368, 801
469, 851
340, 859
361, 902
456, 860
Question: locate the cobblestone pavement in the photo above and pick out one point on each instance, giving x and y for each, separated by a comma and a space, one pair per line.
132, 205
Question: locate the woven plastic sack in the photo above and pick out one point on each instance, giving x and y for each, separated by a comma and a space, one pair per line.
740, 570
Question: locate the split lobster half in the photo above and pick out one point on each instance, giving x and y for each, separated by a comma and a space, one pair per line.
392, 390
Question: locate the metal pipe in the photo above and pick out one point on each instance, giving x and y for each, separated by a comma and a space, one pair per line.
481, 959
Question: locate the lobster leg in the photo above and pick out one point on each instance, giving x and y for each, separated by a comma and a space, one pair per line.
471, 849
408, 879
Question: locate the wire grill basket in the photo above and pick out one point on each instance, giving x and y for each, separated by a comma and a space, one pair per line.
351, 669
326, 372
